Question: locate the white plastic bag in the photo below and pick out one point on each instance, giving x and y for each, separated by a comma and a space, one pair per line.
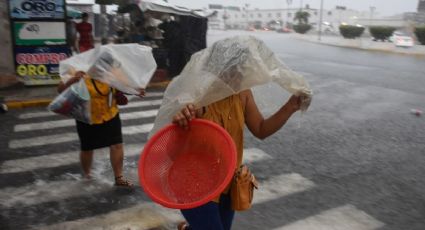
126, 67
228, 67
73, 102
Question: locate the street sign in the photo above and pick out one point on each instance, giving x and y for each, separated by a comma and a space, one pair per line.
37, 9
39, 33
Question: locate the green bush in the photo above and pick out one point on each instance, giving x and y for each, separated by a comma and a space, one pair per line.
348, 31
420, 34
302, 28
381, 32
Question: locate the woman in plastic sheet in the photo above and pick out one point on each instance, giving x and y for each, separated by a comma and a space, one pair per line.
232, 113
105, 127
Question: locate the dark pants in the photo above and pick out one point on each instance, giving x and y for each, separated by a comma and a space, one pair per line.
211, 216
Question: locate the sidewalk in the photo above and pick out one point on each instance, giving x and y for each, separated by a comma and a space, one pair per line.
16, 95
364, 44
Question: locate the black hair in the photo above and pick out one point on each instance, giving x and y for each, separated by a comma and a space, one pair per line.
84, 15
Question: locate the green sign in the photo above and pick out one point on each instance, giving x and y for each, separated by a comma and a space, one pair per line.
39, 33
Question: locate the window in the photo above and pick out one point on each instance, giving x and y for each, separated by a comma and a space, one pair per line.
251, 15
289, 14
315, 13
259, 15
329, 13
243, 15
278, 15
270, 15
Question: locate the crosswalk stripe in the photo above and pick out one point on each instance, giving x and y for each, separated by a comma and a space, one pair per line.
67, 137
60, 159
280, 186
131, 104
52, 191
346, 217
71, 122
141, 217
254, 154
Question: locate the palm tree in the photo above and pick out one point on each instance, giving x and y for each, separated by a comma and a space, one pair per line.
302, 17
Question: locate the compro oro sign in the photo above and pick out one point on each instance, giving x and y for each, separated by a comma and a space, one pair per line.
32, 9
39, 65
39, 33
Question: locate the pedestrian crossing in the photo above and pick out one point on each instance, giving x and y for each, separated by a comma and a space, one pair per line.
135, 211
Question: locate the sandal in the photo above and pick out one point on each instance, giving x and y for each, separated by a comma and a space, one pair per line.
121, 182
183, 226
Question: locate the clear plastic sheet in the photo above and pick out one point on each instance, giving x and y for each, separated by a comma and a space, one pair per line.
227, 67
73, 102
126, 67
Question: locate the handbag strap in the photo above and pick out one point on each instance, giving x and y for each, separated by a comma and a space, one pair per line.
97, 89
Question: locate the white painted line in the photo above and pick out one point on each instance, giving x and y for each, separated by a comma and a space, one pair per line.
253, 155
43, 140
280, 186
346, 217
142, 217
131, 104
71, 122
137, 129
60, 159
67, 137
141, 104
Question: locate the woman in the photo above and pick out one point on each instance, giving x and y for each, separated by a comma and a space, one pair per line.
105, 130
232, 113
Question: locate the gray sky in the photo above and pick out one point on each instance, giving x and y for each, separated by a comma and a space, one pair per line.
383, 7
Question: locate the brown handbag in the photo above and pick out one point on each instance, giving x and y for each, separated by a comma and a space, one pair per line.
242, 189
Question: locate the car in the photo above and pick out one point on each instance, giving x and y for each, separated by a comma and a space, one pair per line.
283, 30
401, 39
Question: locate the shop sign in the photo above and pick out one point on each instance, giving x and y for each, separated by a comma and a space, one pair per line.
32, 9
39, 65
39, 33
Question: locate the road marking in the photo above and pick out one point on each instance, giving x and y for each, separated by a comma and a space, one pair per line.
68, 137
60, 159
346, 217
142, 217
129, 105
280, 186
253, 154
71, 122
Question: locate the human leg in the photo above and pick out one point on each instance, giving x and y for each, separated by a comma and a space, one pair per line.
205, 217
226, 212
116, 154
86, 159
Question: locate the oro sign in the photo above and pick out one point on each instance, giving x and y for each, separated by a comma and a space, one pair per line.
36, 65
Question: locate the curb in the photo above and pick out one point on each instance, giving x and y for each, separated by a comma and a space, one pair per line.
418, 55
45, 102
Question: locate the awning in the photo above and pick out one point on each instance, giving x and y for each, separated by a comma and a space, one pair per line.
72, 12
160, 6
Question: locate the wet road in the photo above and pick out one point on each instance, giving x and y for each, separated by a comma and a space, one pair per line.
354, 160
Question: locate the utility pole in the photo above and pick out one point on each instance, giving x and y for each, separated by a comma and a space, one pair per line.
372, 9
289, 2
320, 21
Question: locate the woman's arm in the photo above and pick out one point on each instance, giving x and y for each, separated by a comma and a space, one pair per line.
260, 127
62, 86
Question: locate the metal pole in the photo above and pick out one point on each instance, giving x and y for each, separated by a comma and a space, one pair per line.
320, 21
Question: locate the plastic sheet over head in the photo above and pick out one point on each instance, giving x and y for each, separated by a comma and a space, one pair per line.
126, 67
228, 67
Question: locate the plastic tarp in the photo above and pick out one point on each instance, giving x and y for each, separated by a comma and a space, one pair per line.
164, 7
228, 67
126, 67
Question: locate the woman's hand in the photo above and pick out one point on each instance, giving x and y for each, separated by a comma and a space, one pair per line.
76, 78
142, 92
294, 103
183, 117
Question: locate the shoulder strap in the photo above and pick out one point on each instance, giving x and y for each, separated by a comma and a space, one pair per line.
97, 89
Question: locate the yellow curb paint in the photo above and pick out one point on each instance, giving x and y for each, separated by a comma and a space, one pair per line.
45, 102
28, 103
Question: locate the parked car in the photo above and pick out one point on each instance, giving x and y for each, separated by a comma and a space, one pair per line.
283, 30
401, 39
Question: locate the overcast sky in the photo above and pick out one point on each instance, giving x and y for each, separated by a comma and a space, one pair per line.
383, 7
